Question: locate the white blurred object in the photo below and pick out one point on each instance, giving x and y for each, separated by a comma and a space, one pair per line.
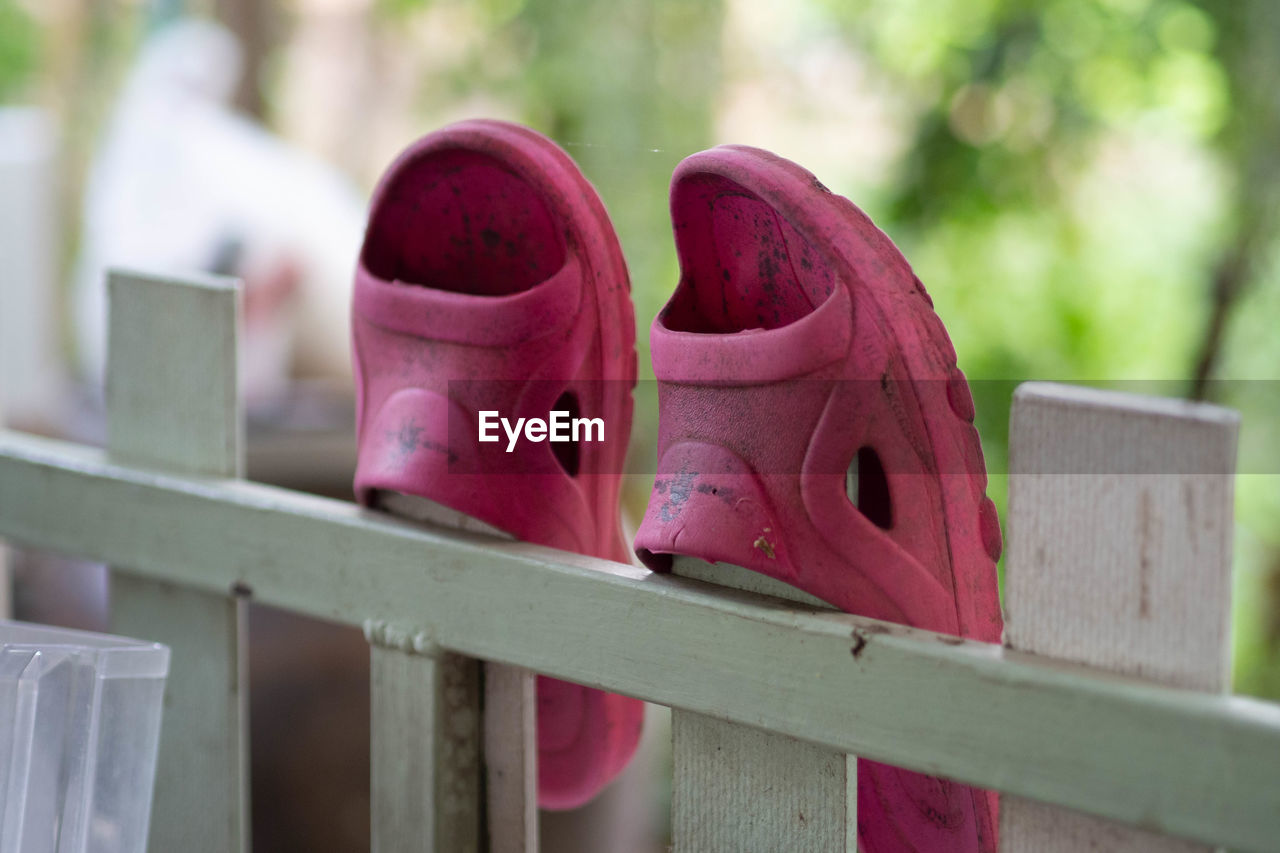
181, 182
30, 382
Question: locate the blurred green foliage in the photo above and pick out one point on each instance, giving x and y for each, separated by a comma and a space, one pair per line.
19, 50
1034, 201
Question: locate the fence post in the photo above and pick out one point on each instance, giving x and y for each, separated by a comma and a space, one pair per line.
1120, 525
426, 744
479, 718
172, 404
511, 758
737, 788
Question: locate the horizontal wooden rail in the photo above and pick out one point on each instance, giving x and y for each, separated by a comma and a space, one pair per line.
1195, 765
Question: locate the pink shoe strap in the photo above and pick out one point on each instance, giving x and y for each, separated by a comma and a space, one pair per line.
493, 321
754, 357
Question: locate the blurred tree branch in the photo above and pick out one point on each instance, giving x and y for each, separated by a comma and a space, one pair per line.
1247, 47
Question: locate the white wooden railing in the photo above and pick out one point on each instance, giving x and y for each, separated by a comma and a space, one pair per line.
1111, 567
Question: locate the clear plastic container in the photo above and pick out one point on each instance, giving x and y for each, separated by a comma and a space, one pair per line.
79, 730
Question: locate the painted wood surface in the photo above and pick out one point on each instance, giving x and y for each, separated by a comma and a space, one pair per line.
171, 373
765, 791
171, 405
507, 704
1191, 764
426, 744
201, 789
511, 758
1120, 558
736, 788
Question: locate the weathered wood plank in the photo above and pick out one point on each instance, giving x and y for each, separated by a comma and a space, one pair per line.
426, 744
511, 758
738, 788
509, 751
1191, 764
171, 403
201, 795
171, 373
765, 791
1119, 558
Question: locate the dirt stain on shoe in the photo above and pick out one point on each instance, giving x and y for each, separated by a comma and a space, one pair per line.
680, 489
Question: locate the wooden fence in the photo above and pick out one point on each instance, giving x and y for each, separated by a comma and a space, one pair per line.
1106, 722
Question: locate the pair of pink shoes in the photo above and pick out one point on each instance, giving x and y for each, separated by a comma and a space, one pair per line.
813, 423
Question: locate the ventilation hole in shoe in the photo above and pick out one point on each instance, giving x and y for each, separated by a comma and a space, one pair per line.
868, 488
567, 452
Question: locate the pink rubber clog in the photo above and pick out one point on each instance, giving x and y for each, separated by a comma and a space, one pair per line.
491, 281
814, 427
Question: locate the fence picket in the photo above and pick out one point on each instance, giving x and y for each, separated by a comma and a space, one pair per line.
172, 404
738, 788
511, 758
507, 753
1120, 517
426, 744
